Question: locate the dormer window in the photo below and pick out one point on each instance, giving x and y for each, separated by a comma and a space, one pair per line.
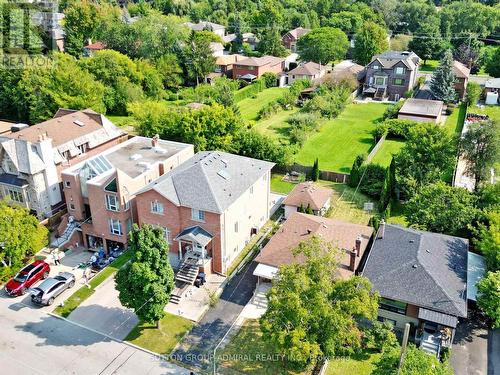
376, 67
399, 70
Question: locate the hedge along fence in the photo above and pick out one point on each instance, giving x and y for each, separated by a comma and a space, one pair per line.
253, 89
323, 175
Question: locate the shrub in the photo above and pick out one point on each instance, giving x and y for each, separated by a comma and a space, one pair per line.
355, 170
398, 128
392, 110
473, 93
449, 109
373, 179
298, 136
328, 102
379, 131
306, 121
408, 94
268, 110
420, 81
381, 336
270, 79
252, 89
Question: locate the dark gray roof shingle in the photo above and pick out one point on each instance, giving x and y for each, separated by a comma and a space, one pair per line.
421, 268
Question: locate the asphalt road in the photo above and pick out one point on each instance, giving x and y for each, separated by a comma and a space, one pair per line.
197, 348
34, 342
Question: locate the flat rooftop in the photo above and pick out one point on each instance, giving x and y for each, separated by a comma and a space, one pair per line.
422, 107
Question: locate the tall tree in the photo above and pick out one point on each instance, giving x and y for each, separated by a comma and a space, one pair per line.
323, 45
489, 296
487, 239
198, 57
425, 158
20, 235
442, 208
171, 71
493, 63
315, 170
270, 43
80, 19
313, 313
370, 40
427, 42
443, 80
469, 53
146, 282
480, 147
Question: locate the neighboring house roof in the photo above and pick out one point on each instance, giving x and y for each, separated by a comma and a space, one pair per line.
300, 227
247, 37
96, 46
308, 69
5, 126
390, 58
348, 67
229, 59
210, 181
308, 194
204, 25
460, 70
216, 46
298, 32
421, 268
195, 105
261, 61
422, 107
492, 83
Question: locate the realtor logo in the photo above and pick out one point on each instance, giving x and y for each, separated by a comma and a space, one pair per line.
28, 30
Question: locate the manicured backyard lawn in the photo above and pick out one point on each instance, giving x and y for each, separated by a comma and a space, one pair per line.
276, 126
493, 111
455, 121
389, 148
250, 107
429, 66
279, 186
163, 340
358, 364
340, 140
248, 353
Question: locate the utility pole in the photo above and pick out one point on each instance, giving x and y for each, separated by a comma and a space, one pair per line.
403, 346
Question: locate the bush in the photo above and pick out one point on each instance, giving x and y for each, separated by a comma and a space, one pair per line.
393, 110
270, 79
381, 336
355, 170
398, 128
328, 102
298, 136
268, 110
252, 89
373, 179
408, 94
379, 131
449, 109
473, 93
306, 121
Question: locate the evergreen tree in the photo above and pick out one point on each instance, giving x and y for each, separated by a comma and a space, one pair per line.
443, 80
309, 210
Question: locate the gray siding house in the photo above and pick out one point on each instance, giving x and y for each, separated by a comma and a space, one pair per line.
390, 75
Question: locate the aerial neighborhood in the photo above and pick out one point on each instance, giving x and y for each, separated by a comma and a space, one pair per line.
266, 188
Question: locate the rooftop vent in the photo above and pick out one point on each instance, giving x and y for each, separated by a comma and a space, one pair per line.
18, 127
224, 174
79, 123
135, 157
144, 164
159, 150
415, 266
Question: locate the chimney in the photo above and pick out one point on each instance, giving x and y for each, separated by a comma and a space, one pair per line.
352, 260
154, 141
358, 246
381, 229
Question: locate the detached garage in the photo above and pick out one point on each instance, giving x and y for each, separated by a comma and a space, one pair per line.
422, 110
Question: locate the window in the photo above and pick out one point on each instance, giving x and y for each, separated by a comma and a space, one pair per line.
115, 227
197, 215
83, 148
157, 207
376, 67
16, 195
251, 189
112, 187
399, 70
394, 306
167, 235
129, 225
111, 202
67, 184
236, 227
72, 206
399, 81
380, 81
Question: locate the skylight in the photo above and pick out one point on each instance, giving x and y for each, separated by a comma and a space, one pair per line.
224, 174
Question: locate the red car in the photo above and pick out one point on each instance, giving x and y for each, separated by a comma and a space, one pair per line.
25, 278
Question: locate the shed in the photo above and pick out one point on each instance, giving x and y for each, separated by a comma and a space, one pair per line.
422, 110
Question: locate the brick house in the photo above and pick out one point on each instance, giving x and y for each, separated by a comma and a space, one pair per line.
224, 64
254, 67
310, 70
461, 78
100, 191
351, 239
32, 158
422, 279
290, 39
209, 206
390, 75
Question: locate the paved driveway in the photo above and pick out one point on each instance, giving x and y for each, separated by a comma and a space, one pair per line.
103, 312
197, 347
33, 342
494, 352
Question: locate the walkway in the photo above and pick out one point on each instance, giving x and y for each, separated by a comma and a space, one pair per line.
197, 347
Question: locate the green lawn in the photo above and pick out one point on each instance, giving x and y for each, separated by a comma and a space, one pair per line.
247, 353
127, 123
455, 121
340, 140
85, 292
162, 340
429, 66
276, 126
250, 107
491, 110
358, 364
389, 148
279, 186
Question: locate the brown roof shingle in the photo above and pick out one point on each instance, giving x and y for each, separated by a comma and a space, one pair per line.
307, 193
300, 227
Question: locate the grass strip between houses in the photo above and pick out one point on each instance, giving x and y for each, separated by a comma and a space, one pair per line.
85, 292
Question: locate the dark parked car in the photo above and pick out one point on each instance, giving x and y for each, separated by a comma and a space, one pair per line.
46, 292
25, 278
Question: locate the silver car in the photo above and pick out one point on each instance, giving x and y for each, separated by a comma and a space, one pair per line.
48, 290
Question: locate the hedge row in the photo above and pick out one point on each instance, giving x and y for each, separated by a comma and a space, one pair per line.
250, 90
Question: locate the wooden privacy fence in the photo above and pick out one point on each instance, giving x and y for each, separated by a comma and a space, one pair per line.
323, 175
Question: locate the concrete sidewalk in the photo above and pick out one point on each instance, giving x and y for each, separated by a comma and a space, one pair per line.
103, 312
